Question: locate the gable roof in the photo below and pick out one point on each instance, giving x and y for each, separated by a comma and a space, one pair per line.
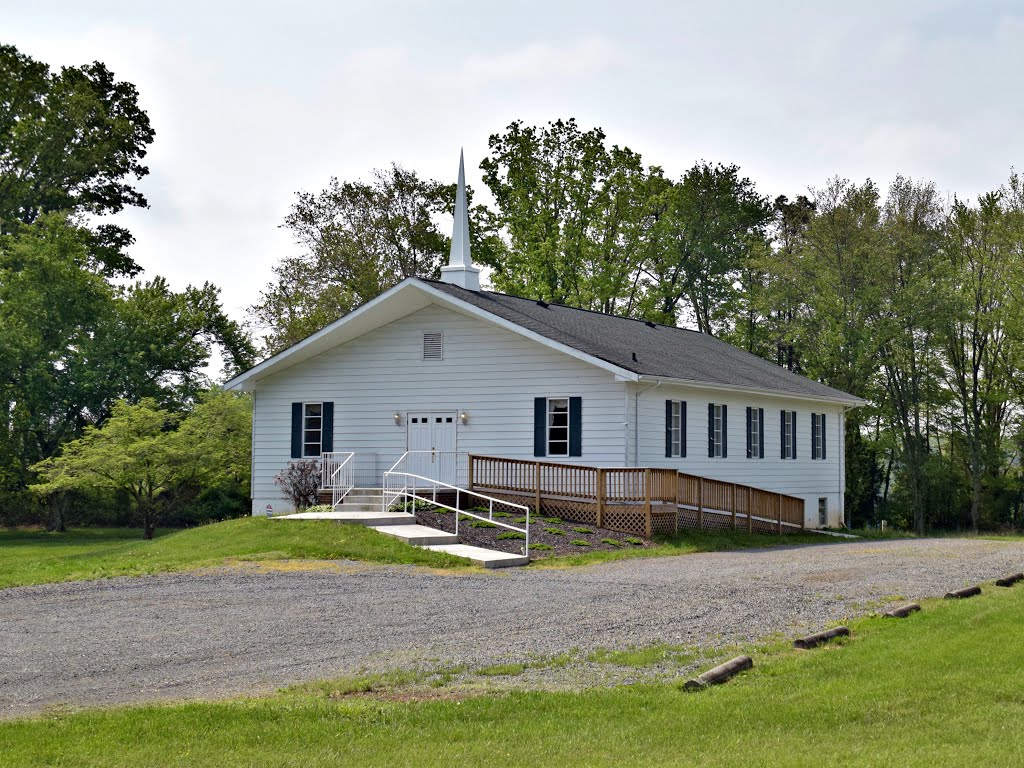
632, 349
648, 349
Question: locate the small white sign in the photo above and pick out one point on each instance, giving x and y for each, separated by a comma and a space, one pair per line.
270, 509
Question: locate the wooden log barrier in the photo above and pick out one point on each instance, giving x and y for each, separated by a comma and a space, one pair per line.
1009, 581
817, 638
965, 592
902, 612
720, 674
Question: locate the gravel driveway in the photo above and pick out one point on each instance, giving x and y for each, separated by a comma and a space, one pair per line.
227, 632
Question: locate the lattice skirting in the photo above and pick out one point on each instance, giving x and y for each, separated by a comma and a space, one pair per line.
630, 518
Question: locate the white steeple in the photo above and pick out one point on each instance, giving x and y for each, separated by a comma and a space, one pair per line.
460, 270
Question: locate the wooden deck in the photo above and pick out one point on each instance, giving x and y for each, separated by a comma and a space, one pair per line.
637, 500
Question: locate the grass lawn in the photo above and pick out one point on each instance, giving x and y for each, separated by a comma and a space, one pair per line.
944, 687
36, 557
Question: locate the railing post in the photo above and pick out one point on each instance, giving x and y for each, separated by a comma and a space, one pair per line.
647, 503
537, 487
732, 505
780, 514
750, 509
675, 512
700, 503
600, 497
469, 471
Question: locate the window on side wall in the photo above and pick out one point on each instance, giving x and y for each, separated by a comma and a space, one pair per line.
558, 426
312, 429
817, 435
718, 431
755, 433
675, 428
788, 434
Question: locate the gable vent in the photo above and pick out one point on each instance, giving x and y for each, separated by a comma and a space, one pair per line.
432, 345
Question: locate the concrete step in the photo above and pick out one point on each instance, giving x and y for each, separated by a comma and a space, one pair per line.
346, 507
488, 558
372, 518
417, 535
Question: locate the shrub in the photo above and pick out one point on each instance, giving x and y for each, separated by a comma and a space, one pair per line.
542, 547
482, 524
511, 535
611, 542
634, 540
555, 531
580, 543
299, 482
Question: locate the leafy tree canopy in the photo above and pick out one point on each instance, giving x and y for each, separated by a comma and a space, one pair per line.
71, 141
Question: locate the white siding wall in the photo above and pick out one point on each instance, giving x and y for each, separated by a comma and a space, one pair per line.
807, 478
490, 372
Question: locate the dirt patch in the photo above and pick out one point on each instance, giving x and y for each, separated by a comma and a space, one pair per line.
554, 535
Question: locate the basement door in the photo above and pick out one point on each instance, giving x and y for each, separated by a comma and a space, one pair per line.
432, 434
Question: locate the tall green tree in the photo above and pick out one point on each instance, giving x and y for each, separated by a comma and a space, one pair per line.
713, 225
574, 214
912, 304
73, 142
983, 348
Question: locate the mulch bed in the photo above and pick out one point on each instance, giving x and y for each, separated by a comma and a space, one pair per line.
559, 543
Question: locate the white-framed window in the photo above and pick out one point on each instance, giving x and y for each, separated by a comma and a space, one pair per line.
676, 428
717, 430
312, 429
558, 426
789, 434
755, 433
433, 345
817, 435
823, 511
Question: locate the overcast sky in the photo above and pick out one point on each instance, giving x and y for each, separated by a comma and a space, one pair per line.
253, 101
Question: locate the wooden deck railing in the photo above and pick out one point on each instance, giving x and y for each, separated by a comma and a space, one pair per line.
640, 500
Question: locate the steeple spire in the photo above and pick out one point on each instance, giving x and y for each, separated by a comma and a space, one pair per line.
460, 270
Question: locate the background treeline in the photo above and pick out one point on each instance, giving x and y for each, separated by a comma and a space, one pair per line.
906, 297
83, 340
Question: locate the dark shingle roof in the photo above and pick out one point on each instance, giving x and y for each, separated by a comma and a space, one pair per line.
646, 349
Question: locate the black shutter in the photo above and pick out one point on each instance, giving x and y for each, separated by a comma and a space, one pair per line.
296, 430
793, 430
783, 416
682, 429
711, 430
823, 441
575, 426
540, 424
725, 431
668, 429
327, 435
760, 433
750, 442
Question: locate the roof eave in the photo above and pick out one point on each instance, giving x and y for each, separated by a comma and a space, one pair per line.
849, 401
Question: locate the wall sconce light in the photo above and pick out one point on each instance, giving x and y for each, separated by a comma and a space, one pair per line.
398, 419
463, 417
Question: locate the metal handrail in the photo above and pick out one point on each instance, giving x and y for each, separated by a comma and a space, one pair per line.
340, 479
390, 496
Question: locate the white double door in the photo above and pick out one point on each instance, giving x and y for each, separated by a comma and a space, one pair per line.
432, 444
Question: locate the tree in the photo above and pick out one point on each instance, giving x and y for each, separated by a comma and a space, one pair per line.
357, 241
906, 319
984, 246
713, 221
70, 142
574, 214
154, 456
50, 304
